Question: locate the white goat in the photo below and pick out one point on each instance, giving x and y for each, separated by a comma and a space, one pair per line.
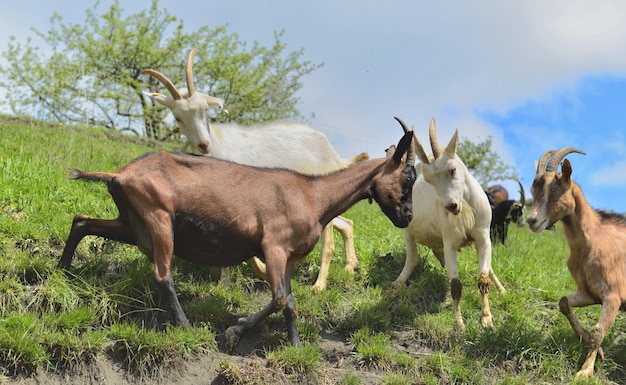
289, 145
450, 211
597, 242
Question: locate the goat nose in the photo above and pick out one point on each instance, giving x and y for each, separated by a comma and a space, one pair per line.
204, 148
531, 221
453, 207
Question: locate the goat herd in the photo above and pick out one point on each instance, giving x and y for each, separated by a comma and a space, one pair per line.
273, 191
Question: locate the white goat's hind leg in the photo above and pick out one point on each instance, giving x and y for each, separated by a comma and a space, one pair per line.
328, 249
496, 281
259, 267
412, 258
346, 228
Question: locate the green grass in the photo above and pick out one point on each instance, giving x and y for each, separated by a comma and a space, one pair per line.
109, 307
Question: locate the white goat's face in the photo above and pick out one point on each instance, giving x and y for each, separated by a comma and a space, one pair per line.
444, 170
446, 176
190, 108
191, 114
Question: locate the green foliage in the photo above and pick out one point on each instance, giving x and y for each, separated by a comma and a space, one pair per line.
93, 75
296, 360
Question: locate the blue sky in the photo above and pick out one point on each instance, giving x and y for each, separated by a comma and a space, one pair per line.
532, 75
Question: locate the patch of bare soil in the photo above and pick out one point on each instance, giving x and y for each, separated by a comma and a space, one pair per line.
245, 366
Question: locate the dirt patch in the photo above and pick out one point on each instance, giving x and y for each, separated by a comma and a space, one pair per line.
246, 366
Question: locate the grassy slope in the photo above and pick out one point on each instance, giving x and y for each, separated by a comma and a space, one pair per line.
110, 307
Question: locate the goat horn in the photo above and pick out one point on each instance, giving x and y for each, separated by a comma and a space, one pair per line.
415, 145
559, 155
541, 165
191, 86
522, 195
165, 81
434, 143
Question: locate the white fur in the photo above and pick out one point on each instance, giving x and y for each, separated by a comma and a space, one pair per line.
450, 211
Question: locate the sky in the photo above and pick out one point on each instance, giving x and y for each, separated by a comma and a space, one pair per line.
531, 75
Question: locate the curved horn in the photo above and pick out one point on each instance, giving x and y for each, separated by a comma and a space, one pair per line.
165, 81
191, 86
434, 143
522, 198
541, 165
416, 146
559, 155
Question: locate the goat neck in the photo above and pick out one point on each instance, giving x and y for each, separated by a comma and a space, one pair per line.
388, 181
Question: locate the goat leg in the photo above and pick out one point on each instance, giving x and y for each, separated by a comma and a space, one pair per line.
166, 286
281, 302
82, 226
456, 288
328, 249
483, 287
346, 228
411, 261
496, 281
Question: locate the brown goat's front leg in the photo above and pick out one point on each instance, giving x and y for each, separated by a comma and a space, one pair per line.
282, 300
82, 226
168, 292
592, 339
279, 277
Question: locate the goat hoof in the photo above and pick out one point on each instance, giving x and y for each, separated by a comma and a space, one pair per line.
232, 339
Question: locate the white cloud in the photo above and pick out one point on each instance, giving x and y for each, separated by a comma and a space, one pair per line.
614, 175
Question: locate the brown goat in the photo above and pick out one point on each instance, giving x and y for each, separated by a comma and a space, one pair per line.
597, 242
219, 213
497, 194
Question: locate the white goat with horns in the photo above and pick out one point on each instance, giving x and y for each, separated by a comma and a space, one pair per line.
597, 242
289, 145
450, 211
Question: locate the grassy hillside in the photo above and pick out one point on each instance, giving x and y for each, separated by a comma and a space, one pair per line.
359, 331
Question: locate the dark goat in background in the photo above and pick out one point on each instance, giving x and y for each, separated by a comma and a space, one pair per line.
506, 212
496, 194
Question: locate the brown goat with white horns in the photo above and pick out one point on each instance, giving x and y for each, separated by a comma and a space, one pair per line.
219, 213
597, 242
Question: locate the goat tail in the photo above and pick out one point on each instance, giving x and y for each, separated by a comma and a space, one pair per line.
91, 176
359, 158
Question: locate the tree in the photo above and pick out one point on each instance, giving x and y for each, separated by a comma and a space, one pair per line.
484, 164
93, 75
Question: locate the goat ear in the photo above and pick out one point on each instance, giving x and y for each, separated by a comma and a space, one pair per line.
217, 102
566, 173
452, 145
167, 101
403, 146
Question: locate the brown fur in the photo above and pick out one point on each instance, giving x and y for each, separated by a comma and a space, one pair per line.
219, 213
597, 260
